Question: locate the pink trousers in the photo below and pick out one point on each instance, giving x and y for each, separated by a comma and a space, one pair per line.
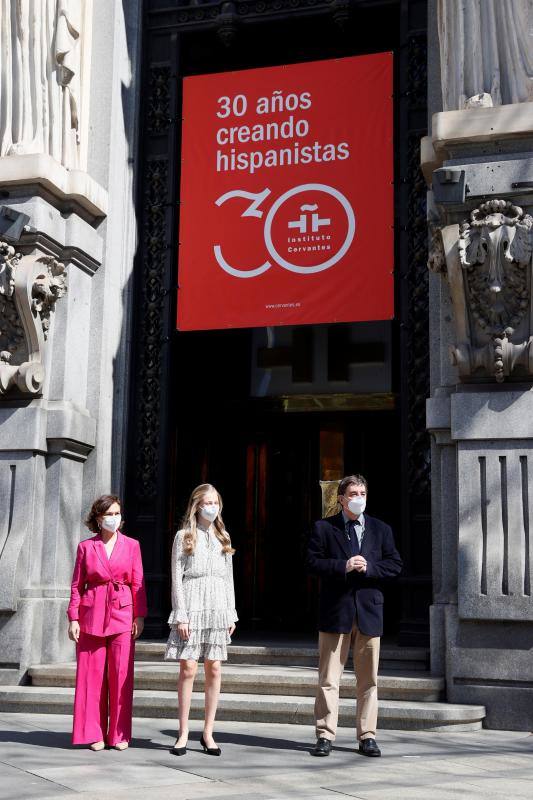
104, 689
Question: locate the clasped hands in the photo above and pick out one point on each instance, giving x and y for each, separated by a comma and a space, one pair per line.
184, 631
357, 563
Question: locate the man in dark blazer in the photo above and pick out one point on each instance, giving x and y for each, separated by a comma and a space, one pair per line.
352, 553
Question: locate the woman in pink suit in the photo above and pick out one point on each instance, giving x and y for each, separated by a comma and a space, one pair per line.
106, 612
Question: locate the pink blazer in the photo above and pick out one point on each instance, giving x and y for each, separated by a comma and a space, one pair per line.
107, 593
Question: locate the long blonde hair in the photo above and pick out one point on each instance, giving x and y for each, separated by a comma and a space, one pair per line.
189, 523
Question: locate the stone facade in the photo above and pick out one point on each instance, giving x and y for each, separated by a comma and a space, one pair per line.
479, 168
67, 240
67, 246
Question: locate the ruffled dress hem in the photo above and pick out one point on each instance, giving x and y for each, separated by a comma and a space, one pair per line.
208, 644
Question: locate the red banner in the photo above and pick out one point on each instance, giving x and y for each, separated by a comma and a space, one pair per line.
286, 212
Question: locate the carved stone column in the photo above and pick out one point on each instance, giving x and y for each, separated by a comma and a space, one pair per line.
67, 218
51, 246
479, 170
46, 431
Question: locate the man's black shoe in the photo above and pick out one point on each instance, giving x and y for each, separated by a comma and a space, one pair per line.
322, 747
368, 747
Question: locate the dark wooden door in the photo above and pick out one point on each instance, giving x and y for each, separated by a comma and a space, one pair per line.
268, 467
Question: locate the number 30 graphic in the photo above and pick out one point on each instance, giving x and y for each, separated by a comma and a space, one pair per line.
253, 211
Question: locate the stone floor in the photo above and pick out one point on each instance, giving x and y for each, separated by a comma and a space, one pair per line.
260, 762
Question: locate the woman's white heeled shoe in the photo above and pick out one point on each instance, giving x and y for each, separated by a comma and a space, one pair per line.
121, 745
97, 746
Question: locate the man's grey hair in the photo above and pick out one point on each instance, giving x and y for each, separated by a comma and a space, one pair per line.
359, 480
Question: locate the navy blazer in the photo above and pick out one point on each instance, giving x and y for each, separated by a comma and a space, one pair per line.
348, 597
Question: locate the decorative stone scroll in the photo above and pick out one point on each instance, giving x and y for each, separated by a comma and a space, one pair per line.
29, 290
487, 261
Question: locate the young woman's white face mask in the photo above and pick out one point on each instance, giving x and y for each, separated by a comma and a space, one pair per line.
209, 508
210, 513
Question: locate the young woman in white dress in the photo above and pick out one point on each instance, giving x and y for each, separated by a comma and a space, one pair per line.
203, 608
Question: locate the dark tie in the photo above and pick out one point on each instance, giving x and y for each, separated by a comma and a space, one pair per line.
354, 541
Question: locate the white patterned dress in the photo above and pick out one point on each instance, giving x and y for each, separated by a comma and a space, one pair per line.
202, 596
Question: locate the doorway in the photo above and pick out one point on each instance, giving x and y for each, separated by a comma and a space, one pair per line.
267, 457
167, 393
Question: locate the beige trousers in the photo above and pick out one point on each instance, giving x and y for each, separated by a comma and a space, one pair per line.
333, 649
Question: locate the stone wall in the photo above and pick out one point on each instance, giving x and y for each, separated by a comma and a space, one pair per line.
479, 168
69, 243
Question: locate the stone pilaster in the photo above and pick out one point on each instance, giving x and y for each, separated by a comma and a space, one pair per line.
46, 430
479, 170
62, 443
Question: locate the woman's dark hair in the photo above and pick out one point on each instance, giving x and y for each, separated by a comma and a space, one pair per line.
99, 507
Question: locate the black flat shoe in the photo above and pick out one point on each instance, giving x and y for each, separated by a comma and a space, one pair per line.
211, 751
322, 747
368, 747
178, 751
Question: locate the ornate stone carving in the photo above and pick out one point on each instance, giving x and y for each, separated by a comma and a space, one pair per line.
8, 263
485, 52
436, 255
488, 265
41, 60
48, 287
11, 330
29, 290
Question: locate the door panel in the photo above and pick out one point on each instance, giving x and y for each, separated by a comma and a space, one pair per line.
268, 468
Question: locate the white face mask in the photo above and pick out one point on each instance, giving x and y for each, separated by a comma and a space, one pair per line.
210, 513
111, 522
357, 505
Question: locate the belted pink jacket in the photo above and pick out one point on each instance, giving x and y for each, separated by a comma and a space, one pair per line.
107, 593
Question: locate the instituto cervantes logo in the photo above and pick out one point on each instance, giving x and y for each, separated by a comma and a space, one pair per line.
307, 229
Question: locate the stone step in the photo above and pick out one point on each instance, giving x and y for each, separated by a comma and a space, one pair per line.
9, 676
256, 679
393, 714
391, 658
